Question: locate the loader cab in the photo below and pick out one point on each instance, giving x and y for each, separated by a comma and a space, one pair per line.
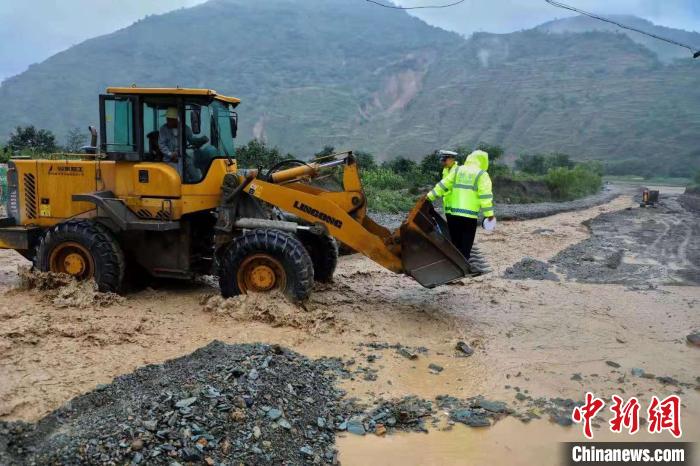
131, 119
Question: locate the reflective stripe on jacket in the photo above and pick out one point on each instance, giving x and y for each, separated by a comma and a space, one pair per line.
470, 187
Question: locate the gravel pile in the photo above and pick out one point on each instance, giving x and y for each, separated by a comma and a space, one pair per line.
232, 404
529, 268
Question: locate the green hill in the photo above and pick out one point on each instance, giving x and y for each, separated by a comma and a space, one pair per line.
349, 74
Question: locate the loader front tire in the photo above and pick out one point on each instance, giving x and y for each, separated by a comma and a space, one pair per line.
84, 249
324, 254
264, 260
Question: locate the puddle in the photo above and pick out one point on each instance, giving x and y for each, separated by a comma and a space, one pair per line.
509, 442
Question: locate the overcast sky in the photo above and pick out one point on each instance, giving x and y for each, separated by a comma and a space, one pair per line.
33, 30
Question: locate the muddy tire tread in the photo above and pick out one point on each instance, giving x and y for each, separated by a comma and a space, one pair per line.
104, 248
283, 246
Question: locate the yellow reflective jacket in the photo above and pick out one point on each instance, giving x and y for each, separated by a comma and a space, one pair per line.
447, 198
470, 185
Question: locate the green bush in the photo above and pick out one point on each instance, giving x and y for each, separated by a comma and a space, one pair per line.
572, 183
540, 164
383, 178
388, 200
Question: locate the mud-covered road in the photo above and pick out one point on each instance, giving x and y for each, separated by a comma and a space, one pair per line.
542, 338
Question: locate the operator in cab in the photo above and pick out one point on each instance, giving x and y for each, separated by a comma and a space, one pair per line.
471, 193
169, 144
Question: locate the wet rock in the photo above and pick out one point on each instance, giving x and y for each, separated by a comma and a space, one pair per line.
562, 419
137, 444
284, 424
355, 426
380, 430
186, 402
238, 415
469, 417
667, 380
406, 353
435, 368
694, 339
150, 425
464, 349
274, 414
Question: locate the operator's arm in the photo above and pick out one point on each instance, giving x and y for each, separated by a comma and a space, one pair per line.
484, 190
444, 186
164, 136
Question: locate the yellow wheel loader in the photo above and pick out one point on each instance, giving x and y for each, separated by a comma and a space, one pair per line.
121, 209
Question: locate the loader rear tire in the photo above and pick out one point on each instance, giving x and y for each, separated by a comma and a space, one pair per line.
85, 250
264, 260
324, 254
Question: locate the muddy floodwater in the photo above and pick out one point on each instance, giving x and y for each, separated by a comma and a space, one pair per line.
537, 338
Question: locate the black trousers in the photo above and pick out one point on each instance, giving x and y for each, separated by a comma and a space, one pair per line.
462, 232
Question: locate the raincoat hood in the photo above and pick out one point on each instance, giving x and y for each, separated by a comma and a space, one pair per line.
480, 158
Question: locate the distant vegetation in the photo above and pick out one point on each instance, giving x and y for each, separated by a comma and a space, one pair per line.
396, 184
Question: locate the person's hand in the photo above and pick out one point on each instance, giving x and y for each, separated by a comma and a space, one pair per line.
492, 218
174, 156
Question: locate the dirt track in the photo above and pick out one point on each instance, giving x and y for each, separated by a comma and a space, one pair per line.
530, 334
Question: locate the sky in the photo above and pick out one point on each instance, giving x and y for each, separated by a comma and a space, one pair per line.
33, 30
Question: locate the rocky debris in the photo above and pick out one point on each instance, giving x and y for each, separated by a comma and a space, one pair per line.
435, 368
637, 372
530, 269
204, 407
694, 339
612, 364
62, 290
638, 248
408, 414
463, 349
473, 412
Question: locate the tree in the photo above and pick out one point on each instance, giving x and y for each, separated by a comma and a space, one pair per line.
326, 151
365, 160
401, 165
257, 154
28, 138
75, 140
495, 152
431, 165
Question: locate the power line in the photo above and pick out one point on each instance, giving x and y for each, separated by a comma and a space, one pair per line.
393, 7
693, 50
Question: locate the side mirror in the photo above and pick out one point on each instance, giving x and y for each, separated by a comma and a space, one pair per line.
234, 124
196, 119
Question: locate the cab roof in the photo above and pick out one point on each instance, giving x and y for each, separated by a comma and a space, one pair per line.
173, 91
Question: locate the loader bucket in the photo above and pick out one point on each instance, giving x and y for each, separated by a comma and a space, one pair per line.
426, 251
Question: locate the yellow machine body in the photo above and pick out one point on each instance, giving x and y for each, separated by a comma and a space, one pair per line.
149, 189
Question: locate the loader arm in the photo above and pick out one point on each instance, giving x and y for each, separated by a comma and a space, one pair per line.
420, 247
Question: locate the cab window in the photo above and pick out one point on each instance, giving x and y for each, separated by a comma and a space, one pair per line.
119, 126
